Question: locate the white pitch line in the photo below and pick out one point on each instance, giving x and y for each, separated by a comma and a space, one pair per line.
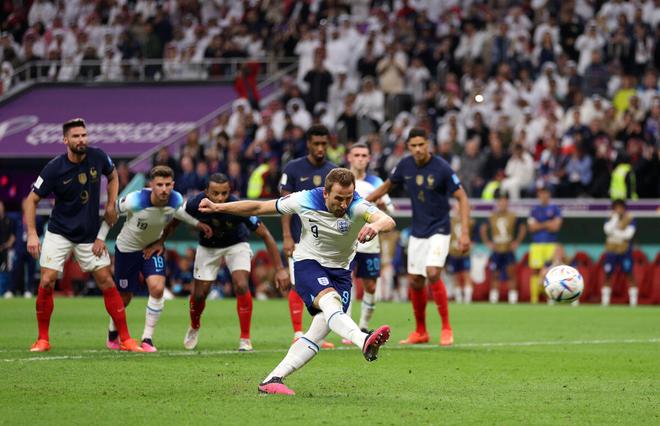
110, 355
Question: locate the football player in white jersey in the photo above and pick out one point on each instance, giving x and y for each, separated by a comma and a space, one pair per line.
147, 212
334, 218
366, 265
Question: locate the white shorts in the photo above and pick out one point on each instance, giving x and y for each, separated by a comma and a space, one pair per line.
207, 260
56, 248
423, 252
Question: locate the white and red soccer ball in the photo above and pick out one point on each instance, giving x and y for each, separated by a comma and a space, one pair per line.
563, 283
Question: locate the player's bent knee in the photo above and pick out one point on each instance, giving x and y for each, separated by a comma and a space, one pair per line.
241, 287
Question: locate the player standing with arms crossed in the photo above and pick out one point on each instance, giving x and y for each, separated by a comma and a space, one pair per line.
227, 237
147, 212
333, 218
544, 223
429, 182
303, 174
74, 224
367, 257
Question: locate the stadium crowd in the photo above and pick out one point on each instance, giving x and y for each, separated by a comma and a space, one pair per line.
515, 94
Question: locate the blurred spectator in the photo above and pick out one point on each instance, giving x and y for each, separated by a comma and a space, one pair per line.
471, 165
391, 71
246, 84
7, 239
578, 173
124, 174
187, 180
596, 76
519, 172
496, 158
318, 81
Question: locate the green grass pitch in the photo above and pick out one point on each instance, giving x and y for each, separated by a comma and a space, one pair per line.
510, 365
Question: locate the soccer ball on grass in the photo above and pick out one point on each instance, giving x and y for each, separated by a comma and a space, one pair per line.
563, 283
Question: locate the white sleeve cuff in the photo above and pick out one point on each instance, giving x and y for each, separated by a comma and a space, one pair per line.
103, 231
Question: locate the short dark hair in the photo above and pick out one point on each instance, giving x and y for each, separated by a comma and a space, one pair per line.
359, 145
619, 202
74, 122
161, 171
416, 132
317, 130
218, 178
340, 175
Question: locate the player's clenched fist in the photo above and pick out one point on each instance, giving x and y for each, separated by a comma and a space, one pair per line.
207, 206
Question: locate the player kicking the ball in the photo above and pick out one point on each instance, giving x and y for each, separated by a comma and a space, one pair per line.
333, 219
147, 212
75, 179
429, 182
228, 239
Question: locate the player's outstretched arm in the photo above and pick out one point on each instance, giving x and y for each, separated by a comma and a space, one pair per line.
464, 210
30, 213
380, 191
240, 208
377, 222
282, 279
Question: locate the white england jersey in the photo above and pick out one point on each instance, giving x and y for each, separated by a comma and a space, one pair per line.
329, 240
364, 187
144, 221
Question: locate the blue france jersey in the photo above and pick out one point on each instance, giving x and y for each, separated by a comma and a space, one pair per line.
429, 188
543, 214
331, 241
228, 229
77, 189
300, 175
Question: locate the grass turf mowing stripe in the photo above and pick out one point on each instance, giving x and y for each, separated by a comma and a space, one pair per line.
105, 354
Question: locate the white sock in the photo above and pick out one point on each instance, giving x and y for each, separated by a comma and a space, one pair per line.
468, 293
303, 349
632, 295
458, 294
605, 293
513, 297
368, 306
338, 321
111, 326
154, 309
493, 295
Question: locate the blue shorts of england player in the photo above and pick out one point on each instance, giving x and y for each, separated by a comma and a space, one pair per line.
366, 265
621, 261
311, 278
499, 262
458, 264
128, 267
